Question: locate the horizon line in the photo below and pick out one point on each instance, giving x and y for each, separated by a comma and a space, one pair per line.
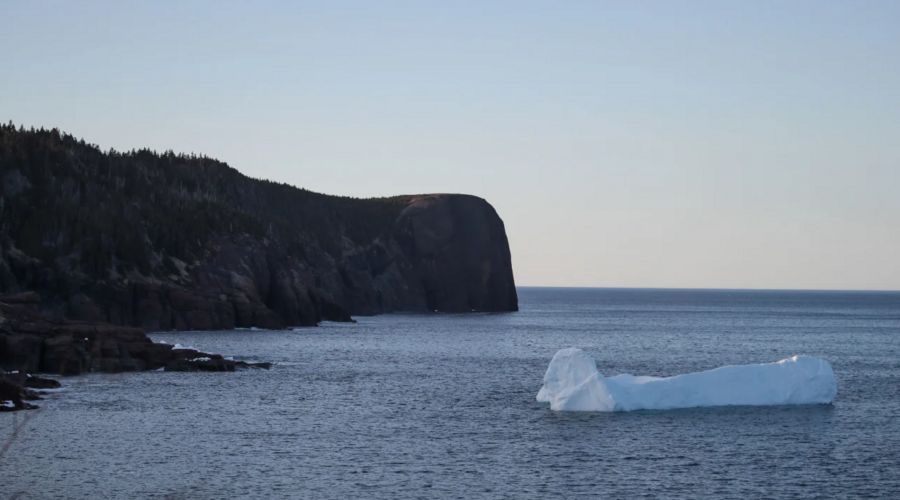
712, 289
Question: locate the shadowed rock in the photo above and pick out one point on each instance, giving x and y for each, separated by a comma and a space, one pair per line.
31, 342
457, 245
167, 242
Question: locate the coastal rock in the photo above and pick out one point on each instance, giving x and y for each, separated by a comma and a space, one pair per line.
20, 352
155, 356
65, 355
35, 382
32, 342
202, 363
22, 299
65, 347
459, 250
13, 396
188, 243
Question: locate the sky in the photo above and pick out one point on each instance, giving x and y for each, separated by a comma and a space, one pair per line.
676, 144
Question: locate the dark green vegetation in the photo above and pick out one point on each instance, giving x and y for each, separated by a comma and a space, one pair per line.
126, 212
176, 241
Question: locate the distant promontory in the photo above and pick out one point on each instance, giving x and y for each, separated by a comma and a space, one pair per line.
172, 241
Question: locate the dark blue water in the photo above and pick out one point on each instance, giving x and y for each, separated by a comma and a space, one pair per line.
443, 406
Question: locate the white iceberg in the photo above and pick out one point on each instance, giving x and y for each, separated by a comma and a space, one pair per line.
572, 383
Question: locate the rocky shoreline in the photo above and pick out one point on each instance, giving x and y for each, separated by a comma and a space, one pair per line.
32, 343
18, 388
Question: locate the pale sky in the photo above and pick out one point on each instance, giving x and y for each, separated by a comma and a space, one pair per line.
695, 144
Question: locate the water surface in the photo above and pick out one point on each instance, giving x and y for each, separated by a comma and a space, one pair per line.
443, 406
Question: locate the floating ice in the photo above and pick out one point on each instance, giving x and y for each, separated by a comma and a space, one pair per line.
572, 383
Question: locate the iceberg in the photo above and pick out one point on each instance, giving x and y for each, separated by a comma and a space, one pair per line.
573, 383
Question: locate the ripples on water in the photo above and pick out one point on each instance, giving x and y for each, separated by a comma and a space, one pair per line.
442, 406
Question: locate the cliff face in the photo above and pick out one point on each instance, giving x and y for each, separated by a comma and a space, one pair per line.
458, 249
176, 242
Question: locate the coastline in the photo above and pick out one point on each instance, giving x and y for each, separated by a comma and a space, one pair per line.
32, 343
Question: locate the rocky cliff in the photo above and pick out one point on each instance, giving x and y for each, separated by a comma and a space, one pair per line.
166, 241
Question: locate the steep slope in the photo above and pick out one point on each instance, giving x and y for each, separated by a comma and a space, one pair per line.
168, 241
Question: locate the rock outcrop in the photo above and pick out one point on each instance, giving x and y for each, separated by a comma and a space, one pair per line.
33, 343
175, 242
16, 388
458, 249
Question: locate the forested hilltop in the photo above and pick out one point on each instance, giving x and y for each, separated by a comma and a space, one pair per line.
176, 241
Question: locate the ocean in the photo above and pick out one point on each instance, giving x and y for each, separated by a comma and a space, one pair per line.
443, 406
